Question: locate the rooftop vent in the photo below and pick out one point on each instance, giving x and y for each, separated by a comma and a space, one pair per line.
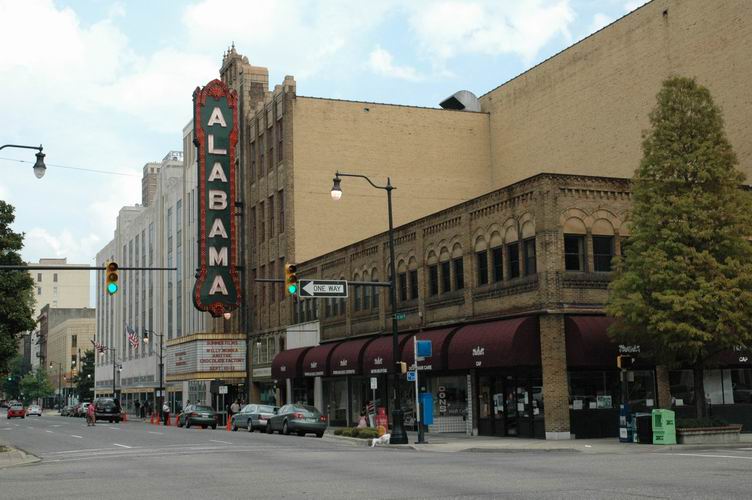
463, 100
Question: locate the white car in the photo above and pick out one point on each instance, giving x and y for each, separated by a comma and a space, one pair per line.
34, 410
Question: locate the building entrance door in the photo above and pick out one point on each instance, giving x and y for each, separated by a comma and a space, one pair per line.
496, 416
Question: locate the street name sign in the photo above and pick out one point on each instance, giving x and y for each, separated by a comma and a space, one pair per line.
322, 289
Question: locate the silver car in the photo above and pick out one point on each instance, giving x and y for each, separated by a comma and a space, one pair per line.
34, 410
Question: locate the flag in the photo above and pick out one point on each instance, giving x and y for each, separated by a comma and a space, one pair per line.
132, 337
98, 346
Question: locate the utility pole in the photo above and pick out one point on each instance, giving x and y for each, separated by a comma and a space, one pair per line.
160, 390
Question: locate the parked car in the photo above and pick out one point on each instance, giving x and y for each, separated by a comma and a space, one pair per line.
16, 410
81, 409
64, 410
34, 410
4, 403
299, 419
204, 416
106, 409
252, 417
74, 409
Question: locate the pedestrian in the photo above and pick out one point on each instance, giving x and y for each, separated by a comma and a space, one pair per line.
91, 418
235, 408
138, 408
165, 412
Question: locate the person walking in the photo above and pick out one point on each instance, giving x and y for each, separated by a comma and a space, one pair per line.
165, 413
91, 417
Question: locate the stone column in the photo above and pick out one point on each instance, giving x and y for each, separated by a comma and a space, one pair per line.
664, 387
318, 394
555, 386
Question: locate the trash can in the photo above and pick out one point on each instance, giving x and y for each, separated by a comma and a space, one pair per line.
643, 428
664, 427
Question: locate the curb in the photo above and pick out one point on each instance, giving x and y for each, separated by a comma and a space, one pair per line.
18, 457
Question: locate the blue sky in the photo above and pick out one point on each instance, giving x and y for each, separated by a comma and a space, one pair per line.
107, 84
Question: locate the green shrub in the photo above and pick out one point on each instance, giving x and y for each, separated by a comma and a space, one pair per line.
346, 432
693, 423
367, 433
338, 432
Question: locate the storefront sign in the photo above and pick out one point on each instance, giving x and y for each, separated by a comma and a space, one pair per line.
442, 400
215, 118
262, 372
313, 370
207, 356
628, 349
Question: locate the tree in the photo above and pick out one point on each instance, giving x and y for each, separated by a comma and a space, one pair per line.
11, 381
16, 289
36, 384
683, 289
85, 379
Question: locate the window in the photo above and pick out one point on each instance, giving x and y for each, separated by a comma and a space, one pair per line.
327, 308
253, 161
375, 291
271, 216
39, 277
414, 284
54, 278
574, 252
433, 280
446, 277
497, 264
261, 164
530, 263
402, 286
356, 297
263, 286
262, 225
366, 297
281, 203
282, 290
603, 252
54, 291
280, 130
513, 255
459, 273
482, 260
74, 341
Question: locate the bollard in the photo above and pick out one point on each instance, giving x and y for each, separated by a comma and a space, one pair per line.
229, 424
151, 420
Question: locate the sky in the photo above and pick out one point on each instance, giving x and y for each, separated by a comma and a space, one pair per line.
106, 85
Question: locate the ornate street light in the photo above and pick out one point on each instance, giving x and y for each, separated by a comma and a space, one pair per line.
39, 167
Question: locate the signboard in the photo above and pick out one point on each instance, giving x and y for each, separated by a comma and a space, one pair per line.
374, 383
206, 356
423, 348
323, 288
411, 376
399, 316
215, 121
222, 389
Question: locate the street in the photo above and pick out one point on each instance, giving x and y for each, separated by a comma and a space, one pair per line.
150, 461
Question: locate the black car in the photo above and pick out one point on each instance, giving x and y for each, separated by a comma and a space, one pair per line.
107, 409
253, 417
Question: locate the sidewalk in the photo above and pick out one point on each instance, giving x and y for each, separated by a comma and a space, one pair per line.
452, 443
10, 456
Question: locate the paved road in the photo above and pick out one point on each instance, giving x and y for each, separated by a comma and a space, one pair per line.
145, 461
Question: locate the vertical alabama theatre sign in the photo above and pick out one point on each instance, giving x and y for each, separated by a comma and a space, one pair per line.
215, 118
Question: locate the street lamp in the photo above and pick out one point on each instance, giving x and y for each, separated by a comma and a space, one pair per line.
59, 381
160, 391
39, 167
398, 436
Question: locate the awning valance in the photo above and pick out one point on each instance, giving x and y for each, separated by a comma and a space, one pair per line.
496, 344
316, 361
588, 343
378, 355
287, 364
439, 343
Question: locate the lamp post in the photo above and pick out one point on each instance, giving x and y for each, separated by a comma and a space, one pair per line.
160, 390
39, 167
114, 367
59, 380
398, 436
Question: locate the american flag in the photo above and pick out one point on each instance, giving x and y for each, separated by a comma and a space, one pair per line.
132, 337
97, 346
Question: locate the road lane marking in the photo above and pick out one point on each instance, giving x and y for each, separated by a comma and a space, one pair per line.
49, 432
702, 455
152, 432
79, 437
218, 441
56, 425
122, 445
78, 451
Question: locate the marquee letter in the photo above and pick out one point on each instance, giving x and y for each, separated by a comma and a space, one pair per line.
218, 286
217, 173
217, 199
211, 147
218, 228
216, 117
217, 258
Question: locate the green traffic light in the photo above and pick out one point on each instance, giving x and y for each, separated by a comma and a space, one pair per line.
112, 288
292, 289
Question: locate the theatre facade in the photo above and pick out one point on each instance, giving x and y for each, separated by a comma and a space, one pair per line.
510, 287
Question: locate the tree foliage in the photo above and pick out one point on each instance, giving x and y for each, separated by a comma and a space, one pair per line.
683, 289
16, 289
36, 384
11, 381
84, 383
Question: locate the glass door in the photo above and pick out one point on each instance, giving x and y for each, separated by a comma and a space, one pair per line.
512, 408
485, 406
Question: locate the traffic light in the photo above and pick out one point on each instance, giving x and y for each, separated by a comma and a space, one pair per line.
403, 367
624, 362
111, 278
291, 279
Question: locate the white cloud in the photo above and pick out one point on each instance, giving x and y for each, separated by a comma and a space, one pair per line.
600, 21
380, 61
41, 243
633, 4
448, 28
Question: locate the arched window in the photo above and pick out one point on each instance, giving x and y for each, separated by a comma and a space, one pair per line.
511, 238
603, 245
433, 273
574, 244
402, 281
366, 293
458, 267
412, 271
357, 291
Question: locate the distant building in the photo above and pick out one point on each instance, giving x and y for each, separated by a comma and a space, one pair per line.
69, 333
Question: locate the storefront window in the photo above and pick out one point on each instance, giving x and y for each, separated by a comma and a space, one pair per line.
449, 396
641, 389
730, 386
741, 385
266, 393
336, 400
593, 390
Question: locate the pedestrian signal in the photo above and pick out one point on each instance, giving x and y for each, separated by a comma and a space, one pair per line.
624, 362
112, 278
403, 367
291, 278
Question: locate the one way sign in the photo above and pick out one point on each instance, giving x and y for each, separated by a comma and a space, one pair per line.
323, 288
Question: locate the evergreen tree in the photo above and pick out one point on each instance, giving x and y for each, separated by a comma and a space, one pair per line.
16, 289
683, 289
85, 377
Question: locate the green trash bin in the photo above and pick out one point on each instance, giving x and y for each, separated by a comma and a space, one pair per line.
664, 427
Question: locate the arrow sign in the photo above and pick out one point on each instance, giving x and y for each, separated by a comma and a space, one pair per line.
323, 288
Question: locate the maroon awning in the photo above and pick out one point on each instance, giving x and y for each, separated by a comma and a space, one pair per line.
287, 363
588, 343
316, 361
378, 355
496, 344
439, 343
346, 358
